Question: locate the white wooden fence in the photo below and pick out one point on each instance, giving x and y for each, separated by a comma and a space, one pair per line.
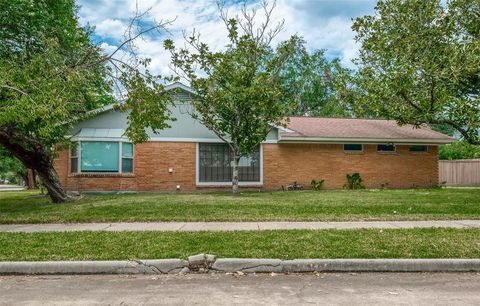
462, 172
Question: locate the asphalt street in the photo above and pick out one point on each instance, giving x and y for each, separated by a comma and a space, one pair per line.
261, 289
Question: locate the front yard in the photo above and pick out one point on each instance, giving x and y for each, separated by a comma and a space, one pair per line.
340, 205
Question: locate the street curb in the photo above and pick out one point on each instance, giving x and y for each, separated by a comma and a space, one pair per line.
245, 265
162, 266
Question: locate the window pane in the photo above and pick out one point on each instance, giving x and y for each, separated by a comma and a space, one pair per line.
127, 165
352, 147
418, 148
74, 165
215, 164
99, 156
386, 148
127, 149
74, 149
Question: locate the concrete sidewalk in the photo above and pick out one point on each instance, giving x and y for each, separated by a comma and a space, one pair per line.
232, 226
4, 187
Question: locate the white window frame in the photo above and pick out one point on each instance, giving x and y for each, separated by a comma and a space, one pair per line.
77, 156
224, 184
352, 151
120, 154
120, 160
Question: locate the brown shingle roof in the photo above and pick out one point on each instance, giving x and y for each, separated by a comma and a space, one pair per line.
312, 128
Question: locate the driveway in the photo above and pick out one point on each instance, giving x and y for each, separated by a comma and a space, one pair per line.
262, 289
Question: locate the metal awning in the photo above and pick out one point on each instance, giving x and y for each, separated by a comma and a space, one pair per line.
99, 134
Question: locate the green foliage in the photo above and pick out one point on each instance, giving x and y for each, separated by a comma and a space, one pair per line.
307, 81
317, 185
10, 167
419, 63
41, 85
354, 181
459, 150
443, 128
52, 76
239, 96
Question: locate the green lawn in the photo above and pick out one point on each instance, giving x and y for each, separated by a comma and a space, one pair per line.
410, 243
340, 205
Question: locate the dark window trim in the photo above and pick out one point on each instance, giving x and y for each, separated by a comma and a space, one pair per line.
418, 152
386, 152
353, 151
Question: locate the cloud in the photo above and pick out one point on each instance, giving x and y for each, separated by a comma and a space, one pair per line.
325, 24
110, 28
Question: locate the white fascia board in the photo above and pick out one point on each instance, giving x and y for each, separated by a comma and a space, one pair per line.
181, 86
283, 129
155, 139
287, 139
180, 139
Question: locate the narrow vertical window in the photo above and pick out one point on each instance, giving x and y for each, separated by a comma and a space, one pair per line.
127, 157
74, 157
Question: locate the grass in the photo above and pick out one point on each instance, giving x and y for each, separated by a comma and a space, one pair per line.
291, 244
340, 205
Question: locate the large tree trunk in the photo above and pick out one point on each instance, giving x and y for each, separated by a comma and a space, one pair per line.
50, 180
235, 190
34, 156
30, 181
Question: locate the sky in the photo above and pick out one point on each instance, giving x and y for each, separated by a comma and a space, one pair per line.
324, 24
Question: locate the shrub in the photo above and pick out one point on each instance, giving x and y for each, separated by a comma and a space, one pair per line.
354, 181
317, 185
459, 150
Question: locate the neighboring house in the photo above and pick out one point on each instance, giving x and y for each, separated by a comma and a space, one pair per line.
190, 157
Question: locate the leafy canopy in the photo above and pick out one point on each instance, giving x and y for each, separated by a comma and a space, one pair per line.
420, 63
238, 90
308, 83
10, 167
459, 150
51, 75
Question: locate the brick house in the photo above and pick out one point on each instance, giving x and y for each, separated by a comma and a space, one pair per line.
189, 157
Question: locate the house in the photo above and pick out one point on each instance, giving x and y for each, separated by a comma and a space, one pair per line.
189, 157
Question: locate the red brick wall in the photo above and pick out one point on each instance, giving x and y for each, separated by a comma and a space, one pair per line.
282, 164
286, 163
151, 163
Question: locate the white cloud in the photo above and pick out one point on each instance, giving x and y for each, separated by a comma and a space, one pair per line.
113, 28
325, 24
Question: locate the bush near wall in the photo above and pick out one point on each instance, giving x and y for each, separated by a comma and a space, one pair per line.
459, 150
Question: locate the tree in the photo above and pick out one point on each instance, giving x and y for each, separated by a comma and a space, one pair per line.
419, 63
238, 90
308, 80
51, 75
